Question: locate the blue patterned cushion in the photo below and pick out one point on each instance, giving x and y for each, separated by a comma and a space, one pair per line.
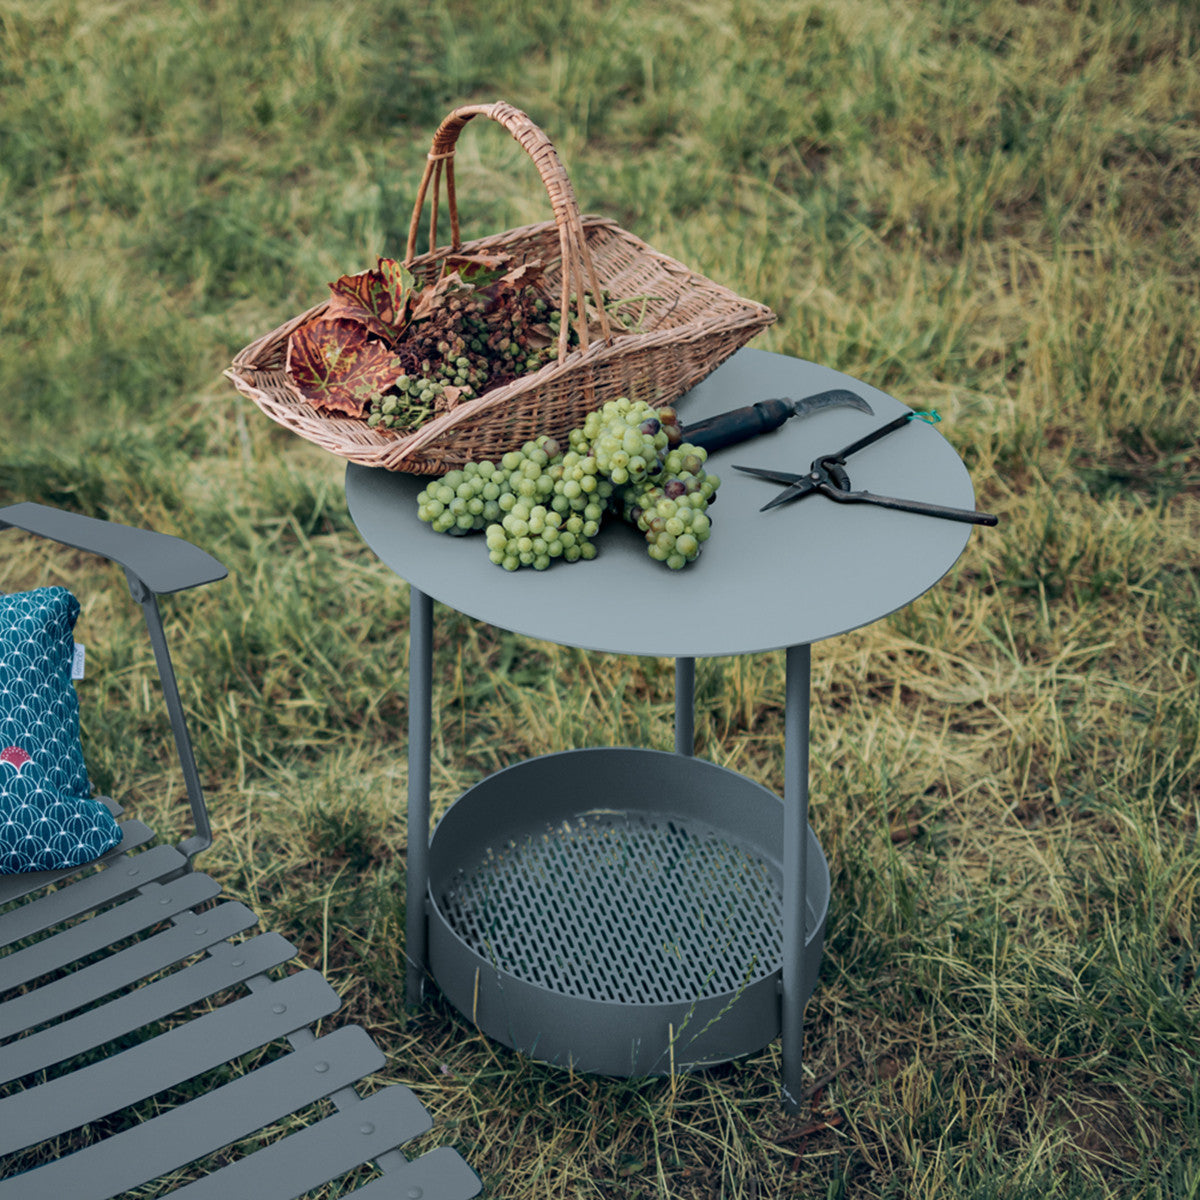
39, 710
41, 830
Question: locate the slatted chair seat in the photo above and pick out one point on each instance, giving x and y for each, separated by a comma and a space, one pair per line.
145, 1027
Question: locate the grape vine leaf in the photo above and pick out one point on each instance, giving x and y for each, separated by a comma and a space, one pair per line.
477, 270
528, 274
379, 299
336, 367
538, 337
432, 297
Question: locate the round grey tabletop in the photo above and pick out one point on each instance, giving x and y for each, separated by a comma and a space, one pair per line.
801, 572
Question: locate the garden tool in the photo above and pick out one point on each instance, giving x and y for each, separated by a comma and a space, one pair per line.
827, 475
741, 424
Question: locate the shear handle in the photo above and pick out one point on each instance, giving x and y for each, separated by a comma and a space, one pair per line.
966, 515
844, 453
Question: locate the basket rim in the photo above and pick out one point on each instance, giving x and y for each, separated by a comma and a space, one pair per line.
739, 320
754, 308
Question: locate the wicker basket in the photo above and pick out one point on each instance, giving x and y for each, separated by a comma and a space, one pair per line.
690, 326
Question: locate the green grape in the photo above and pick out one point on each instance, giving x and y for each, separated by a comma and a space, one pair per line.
532, 535
578, 484
466, 499
407, 404
518, 503
542, 503
625, 437
671, 509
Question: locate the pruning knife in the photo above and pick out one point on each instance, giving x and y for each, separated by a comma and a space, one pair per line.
742, 424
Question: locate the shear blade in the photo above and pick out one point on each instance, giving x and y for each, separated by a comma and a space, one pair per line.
792, 493
772, 475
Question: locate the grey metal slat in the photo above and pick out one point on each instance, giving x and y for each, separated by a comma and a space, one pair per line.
203, 1125
322, 1151
156, 903
441, 1174
104, 887
159, 1063
225, 966
191, 933
12, 887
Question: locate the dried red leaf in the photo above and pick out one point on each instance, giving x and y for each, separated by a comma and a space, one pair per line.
336, 367
538, 337
526, 275
432, 297
516, 279
400, 282
379, 299
477, 270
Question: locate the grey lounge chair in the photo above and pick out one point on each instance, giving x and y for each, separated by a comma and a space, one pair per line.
121, 923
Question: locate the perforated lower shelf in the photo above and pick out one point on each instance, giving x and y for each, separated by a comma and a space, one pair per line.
623, 907
574, 923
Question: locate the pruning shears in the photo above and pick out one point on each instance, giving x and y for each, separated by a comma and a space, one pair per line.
827, 475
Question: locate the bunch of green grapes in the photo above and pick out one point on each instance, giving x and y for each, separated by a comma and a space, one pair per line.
671, 509
580, 489
408, 403
466, 499
478, 494
471, 343
532, 535
556, 508
542, 503
500, 331
626, 438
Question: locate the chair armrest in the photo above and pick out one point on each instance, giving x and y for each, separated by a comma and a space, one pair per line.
163, 563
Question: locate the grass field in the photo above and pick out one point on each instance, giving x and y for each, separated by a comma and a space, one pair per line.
985, 207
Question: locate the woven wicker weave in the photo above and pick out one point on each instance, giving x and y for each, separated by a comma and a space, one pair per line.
689, 327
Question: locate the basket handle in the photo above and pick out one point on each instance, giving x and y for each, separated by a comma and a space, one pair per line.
578, 271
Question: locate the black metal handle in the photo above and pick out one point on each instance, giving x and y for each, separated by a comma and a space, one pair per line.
874, 436
740, 425
916, 506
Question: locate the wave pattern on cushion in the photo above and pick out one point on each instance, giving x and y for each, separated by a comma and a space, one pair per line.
42, 830
39, 708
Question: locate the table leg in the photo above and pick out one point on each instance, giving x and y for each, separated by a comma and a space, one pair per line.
685, 706
795, 871
420, 721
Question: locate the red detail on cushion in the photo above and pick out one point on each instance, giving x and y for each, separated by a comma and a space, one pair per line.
14, 755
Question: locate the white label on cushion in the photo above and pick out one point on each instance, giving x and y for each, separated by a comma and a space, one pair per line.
77, 663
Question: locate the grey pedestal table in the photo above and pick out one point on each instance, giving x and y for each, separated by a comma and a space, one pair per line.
764, 581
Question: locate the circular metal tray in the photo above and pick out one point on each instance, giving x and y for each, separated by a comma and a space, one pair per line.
618, 910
